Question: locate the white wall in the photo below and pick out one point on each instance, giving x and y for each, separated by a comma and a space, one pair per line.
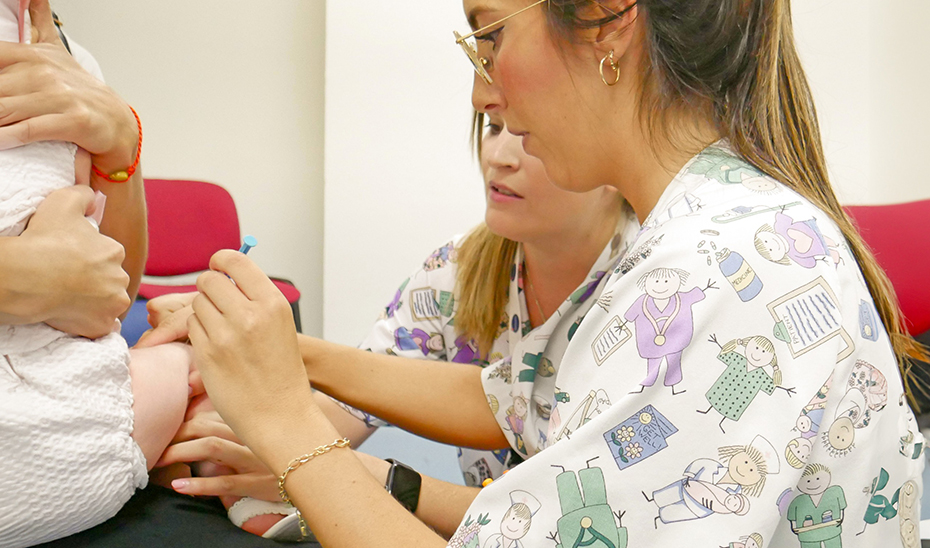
232, 94
866, 62
400, 178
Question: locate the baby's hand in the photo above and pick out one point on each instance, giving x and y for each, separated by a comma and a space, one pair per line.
168, 315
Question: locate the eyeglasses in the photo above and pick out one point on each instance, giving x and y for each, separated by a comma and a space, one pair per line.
482, 64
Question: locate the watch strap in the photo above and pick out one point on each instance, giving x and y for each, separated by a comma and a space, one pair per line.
403, 483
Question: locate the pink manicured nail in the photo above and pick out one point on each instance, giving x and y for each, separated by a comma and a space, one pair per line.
180, 484
8, 141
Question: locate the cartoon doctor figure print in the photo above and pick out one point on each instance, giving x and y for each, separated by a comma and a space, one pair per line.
664, 322
516, 522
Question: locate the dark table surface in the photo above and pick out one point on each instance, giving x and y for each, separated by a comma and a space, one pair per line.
157, 517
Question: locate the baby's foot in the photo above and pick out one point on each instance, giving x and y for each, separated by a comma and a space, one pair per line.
252, 515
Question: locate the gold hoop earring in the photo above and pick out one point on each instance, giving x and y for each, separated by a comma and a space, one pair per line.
614, 66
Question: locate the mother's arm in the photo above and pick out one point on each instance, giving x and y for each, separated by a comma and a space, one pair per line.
46, 95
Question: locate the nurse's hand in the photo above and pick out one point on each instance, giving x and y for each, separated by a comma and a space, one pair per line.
62, 271
245, 345
46, 95
204, 437
168, 317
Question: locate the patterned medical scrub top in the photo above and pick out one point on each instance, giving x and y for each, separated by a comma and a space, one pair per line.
420, 323
731, 386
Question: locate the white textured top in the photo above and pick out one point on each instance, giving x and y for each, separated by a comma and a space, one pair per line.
68, 458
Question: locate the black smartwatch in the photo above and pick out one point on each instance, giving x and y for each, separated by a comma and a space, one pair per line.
403, 483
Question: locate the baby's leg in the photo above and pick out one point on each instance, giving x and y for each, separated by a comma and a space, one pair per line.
160, 393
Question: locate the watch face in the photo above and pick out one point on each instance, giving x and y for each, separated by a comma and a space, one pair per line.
404, 485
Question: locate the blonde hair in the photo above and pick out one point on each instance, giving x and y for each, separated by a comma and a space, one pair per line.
812, 469
735, 62
790, 457
483, 285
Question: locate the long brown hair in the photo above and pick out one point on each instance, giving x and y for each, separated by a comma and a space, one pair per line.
735, 61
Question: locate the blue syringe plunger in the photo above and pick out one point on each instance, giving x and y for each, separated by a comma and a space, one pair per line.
248, 243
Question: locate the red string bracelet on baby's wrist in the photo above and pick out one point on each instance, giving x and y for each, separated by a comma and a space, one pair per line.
123, 175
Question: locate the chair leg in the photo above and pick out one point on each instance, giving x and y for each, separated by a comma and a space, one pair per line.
295, 308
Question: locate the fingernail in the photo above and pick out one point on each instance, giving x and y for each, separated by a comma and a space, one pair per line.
8, 141
190, 391
180, 484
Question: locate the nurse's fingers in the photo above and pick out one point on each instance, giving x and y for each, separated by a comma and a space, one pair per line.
253, 283
211, 449
257, 486
210, 318
200, 427
221, 291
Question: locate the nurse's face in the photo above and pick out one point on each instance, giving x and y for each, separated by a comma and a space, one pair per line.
543, 89
522, 203
743, 469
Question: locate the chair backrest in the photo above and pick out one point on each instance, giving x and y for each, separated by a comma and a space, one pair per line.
188, 222
899, 236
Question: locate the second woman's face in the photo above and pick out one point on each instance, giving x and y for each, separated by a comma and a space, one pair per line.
522, 203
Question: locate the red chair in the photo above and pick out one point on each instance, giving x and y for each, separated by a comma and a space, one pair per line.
188, 222
899, 236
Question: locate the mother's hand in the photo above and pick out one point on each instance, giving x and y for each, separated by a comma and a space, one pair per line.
245, 345
46, 95
62, 271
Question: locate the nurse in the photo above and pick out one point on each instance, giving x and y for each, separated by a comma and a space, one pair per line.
510, 291
664, 100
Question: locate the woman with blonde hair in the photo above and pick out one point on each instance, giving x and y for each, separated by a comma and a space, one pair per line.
692, 110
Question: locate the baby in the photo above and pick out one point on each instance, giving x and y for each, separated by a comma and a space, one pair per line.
81, 421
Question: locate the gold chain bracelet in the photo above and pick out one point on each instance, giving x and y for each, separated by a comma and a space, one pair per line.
304, 459
295, 464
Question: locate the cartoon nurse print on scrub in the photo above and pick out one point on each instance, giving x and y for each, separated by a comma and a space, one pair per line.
516, 522
664, 322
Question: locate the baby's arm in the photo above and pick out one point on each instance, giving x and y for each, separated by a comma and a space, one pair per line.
160, 395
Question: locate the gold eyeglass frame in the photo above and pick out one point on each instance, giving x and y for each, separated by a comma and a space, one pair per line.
481, 63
